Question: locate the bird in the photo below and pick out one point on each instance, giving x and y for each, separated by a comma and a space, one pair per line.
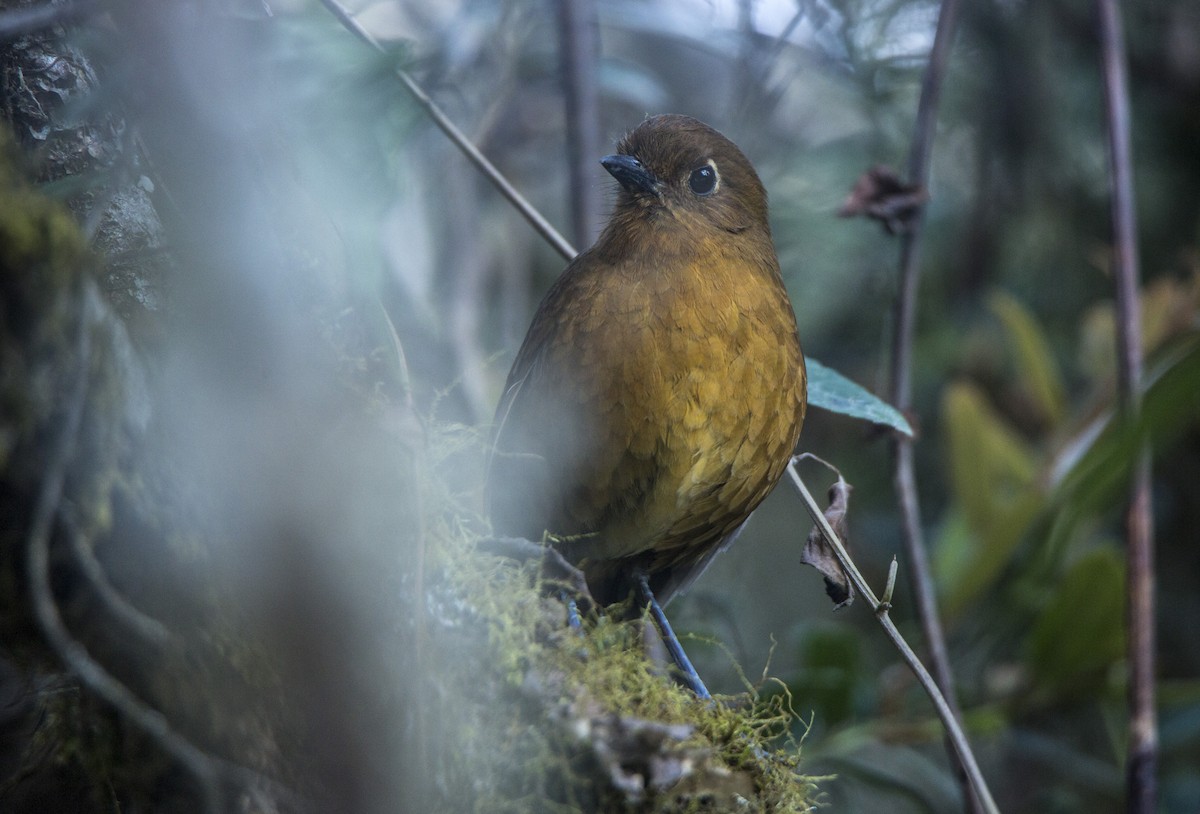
660, 390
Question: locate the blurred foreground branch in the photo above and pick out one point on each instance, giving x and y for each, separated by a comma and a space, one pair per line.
1141, 769
881, 607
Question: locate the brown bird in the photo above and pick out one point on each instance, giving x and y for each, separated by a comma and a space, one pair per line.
660, 391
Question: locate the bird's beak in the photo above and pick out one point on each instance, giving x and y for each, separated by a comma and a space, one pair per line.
630, 172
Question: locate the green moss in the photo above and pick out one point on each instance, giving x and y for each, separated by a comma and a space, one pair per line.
42, 258
541, 718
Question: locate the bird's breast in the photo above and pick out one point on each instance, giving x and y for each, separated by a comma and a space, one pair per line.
693, 380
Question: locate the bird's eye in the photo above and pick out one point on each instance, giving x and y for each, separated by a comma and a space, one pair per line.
703, 180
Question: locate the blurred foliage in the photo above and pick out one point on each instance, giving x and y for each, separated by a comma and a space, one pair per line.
1078, 634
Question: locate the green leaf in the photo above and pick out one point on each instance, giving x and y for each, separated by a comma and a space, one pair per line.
1094, 470
834, 678
1039, 374
954, 549
832, 391
1081, 631
993, 476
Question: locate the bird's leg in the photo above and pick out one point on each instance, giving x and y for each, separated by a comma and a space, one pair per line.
690, 677
574, 621
574, 590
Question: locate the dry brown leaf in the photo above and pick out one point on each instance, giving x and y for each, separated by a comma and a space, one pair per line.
820, 555
880, 194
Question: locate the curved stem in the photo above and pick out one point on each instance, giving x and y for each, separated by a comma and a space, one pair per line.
954, 730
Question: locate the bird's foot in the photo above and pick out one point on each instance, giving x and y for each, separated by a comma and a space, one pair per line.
554, 568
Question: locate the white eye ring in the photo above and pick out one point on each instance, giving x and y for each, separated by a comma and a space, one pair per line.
705, 180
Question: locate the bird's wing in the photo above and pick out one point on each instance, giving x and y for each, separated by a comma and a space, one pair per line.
501, 468
533, 431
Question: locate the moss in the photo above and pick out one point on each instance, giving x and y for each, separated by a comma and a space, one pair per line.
537, 717
42, 258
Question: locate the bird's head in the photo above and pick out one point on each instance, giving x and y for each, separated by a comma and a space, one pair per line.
678, 166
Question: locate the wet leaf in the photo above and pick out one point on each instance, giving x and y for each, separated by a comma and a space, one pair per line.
1038, 371
832, 391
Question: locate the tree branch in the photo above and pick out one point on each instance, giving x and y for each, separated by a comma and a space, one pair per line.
578, 49
209, 771
72, 653
1141, 769
905, 479
149, 628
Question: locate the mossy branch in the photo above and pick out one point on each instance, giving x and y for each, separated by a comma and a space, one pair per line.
72, 652
881, 608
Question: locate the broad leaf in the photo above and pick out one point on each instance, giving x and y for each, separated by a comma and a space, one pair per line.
1081, 631
1093, 471
993, 475
1039, 372
832, 391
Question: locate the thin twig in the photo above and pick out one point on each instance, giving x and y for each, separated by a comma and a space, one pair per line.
905, 479
1141, 769
954, 730
578, 48
535, 219
109, 597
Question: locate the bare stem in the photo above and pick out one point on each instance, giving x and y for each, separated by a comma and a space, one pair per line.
527, 210
954, 730
904, 477
149, 628
578, 46
1141, 770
